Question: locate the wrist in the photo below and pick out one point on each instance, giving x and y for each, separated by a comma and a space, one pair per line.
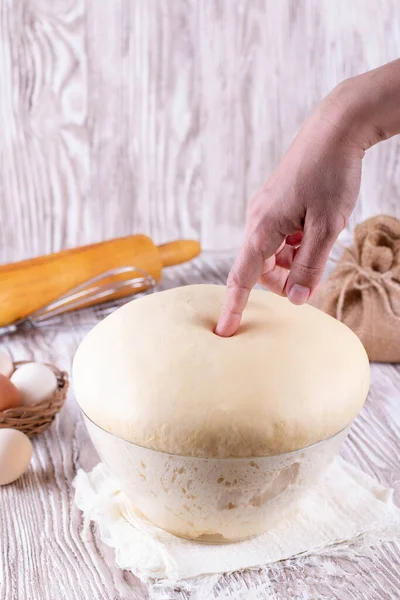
366, 108
351, 112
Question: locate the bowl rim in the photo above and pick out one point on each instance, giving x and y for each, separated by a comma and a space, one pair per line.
281, 455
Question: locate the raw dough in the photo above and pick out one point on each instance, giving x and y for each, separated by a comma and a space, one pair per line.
154, 373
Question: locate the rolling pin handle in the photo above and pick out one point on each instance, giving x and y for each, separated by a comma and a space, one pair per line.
175, 253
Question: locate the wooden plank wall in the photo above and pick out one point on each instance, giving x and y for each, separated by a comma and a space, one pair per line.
165, 116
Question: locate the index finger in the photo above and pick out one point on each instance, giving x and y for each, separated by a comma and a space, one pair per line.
243, 276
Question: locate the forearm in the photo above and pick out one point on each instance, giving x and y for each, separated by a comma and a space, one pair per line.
367, 106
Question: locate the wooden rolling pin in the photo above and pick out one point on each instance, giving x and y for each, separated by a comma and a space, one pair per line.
30, 285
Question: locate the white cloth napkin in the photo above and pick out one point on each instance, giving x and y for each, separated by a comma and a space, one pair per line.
348, 506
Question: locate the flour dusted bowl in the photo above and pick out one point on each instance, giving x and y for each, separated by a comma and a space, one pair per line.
214, 439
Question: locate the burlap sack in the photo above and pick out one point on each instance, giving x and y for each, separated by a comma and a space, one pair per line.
364, 289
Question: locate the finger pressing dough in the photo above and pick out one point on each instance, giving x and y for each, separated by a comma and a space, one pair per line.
154, 373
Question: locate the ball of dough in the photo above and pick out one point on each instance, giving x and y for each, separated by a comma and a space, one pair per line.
154, 373
9, 395
15, 455
36, 383
6, 364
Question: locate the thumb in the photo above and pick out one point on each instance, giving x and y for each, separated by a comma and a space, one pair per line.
310, 260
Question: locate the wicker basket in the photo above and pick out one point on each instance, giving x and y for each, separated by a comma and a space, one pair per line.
32, 420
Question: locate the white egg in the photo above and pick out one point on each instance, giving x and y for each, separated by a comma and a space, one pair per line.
6, 364
15, 455
36, 383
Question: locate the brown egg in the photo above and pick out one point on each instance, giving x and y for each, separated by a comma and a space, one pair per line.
9, 395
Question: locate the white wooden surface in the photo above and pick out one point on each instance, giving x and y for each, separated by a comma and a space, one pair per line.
164, 116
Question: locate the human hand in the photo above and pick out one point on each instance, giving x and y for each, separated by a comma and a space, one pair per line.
298, 214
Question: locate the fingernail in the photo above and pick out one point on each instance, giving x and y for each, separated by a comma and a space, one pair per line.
298, 294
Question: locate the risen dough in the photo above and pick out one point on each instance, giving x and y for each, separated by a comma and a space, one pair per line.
154, 373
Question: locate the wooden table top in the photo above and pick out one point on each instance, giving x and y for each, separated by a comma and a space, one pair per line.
45, 556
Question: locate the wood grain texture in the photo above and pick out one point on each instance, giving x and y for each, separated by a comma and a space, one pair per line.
43, 147
165, 116
44, 554
203, 98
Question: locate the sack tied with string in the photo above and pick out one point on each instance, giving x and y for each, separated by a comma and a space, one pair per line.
364, 289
